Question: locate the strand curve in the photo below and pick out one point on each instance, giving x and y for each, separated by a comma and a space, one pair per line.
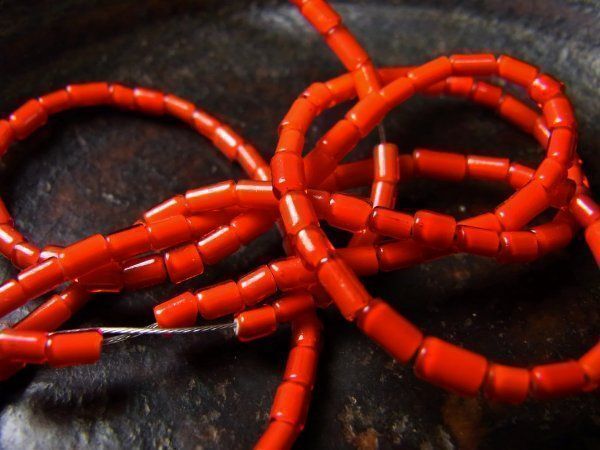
175, 240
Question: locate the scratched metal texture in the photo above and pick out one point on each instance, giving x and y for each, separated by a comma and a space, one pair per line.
96, 170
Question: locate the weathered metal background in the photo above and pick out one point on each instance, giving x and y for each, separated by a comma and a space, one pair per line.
96, 170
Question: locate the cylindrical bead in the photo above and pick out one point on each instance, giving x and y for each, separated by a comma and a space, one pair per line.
68, 349
557, 379
390, 330
257, 285
507, 384
180, 311
183, 263
450, 367
220, 300
343, 287
255, 323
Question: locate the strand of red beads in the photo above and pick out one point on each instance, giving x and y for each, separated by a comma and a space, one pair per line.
207, 224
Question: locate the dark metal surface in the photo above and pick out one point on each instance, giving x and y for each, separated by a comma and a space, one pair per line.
96, 170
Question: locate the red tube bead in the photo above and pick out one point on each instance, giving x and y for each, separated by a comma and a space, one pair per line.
28, 118
519, 175
319, 95
7, 136
256, 323
487, 95
558, 379
459, 86
430, 72
521, 246
297, 212
517, 71
169, 232
180, 108
9, 238
391, 223
345, 47
290, 141
257, 285
590, 362
367, 113
471, 65
142, 272
183, 263
5, 218
487, 168
290, 273
56, 101
592, 237
70, 349
544, 87
561, 146
366, 80
343, 287
202, 224
552, 236
451, 367
250, 225
293, 305
550, 173
321, 16
477, 241
313, 246
558, 112
385, 163
585, 210
518, 113
55, 311
348, 213
122, 96
278, 435
299, 117
290, 404
180, 311
253, 194
440, 165
390, 330
89, 94
507, 384
486, 220
320, 201
149, 101
523, 206
433, 229
108, 278
218, 245
220, 300
36, 280
301, 366
129, 242
174, 206
399, 255
216, 196
251, 161
226, 140
363, 259
398, 91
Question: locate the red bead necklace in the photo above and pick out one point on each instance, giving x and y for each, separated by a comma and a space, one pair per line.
178, 238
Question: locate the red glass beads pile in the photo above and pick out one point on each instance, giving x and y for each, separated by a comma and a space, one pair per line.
176, 239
